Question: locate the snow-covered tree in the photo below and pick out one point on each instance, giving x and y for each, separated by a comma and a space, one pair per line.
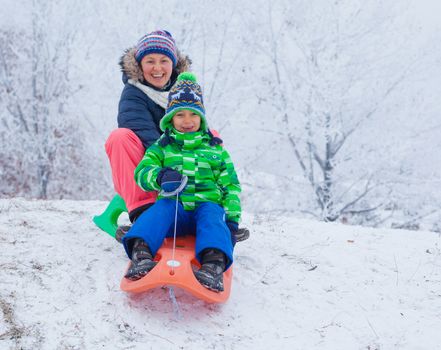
42, 143
332, 67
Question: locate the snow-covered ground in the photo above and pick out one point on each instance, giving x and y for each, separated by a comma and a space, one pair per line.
298, 284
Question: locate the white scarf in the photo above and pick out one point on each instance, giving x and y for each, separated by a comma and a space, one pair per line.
159, 97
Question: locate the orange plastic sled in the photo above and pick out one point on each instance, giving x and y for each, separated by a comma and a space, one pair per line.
181, 276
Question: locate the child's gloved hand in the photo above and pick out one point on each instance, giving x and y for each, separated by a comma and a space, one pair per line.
169, 179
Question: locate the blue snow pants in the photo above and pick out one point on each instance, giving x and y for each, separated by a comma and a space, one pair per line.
157, 223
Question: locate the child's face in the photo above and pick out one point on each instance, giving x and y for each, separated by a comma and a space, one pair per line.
186, 121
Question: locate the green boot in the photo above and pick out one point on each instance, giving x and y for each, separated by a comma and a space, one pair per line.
108, 220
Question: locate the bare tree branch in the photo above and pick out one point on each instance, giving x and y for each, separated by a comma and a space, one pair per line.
367, 189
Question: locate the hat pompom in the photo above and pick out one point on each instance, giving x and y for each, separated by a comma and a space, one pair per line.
187, 76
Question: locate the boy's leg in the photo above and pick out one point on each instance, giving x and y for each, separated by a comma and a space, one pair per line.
212, 231
152, 226
214, 247
147, 235
125, 150
155, 224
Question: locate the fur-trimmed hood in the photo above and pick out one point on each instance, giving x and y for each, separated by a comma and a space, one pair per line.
132, 70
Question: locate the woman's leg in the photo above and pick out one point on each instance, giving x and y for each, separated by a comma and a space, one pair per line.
125, 150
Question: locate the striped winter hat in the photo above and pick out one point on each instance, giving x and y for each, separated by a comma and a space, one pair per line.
185, 94
159, 41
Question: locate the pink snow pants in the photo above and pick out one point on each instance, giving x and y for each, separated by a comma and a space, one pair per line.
125, 150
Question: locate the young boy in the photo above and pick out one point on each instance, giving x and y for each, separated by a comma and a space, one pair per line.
209, 205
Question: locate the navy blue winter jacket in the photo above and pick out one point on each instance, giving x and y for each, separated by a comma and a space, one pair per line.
139, 113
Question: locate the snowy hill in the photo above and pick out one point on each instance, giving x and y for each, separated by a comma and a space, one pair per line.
297, 285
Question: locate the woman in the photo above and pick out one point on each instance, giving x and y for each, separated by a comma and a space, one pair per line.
149, 71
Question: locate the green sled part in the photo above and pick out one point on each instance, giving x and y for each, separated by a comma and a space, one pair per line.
108, 220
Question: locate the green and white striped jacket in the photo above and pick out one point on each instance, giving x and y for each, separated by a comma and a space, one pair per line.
210, 171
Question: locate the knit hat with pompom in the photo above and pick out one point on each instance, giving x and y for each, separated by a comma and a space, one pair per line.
185, 94
159, 41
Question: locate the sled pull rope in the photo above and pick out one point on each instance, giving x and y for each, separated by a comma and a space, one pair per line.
176, 309
174, 234
171, 290
176, 192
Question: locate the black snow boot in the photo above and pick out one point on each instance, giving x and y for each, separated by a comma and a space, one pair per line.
210, 275
242, 234
121, 231
142, 261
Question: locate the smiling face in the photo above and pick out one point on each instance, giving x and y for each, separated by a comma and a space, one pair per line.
157, 69
186, 121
